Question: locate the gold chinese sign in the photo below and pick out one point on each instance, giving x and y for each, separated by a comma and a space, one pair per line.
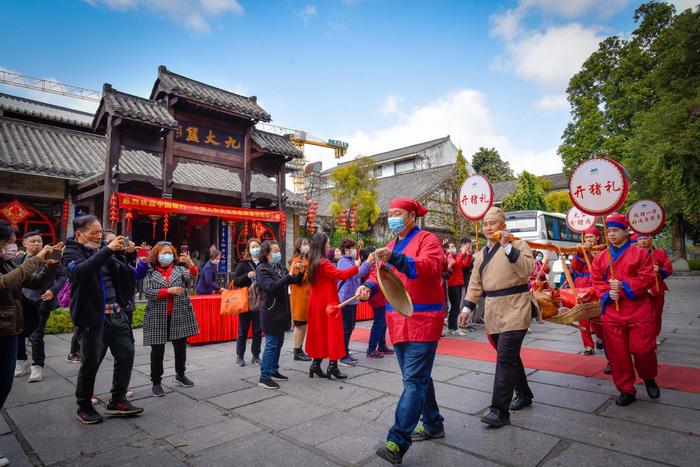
168, 206
209, 138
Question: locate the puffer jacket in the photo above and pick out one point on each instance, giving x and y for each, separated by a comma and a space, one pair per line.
12, 279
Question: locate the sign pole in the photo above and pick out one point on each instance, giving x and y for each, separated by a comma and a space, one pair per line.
476, 232
612, 273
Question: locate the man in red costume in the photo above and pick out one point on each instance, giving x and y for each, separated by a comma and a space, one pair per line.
627, 314
663, 268
582, 278
417, 258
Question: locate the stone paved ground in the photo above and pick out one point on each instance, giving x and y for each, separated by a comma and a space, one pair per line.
226, 419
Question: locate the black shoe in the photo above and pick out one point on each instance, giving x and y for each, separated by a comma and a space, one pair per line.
334, 371
520, 402
184, 381
391, 453
240, 361
316, 369
421, 434
607, 369
255, 360
122, 409
652, 388
268, 384
88, 416
625, 398
496, 418
588, 351
300, 356
279, 377
599, 344
158, 390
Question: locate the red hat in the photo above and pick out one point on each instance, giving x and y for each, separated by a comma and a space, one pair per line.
617, 220
594, 231
410, 205
634, 238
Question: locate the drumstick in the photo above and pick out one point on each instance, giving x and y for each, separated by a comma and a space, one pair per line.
333, 308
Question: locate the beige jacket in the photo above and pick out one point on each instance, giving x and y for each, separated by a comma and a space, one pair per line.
510, 312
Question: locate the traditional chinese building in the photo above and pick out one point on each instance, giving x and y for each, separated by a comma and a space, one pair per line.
185, 164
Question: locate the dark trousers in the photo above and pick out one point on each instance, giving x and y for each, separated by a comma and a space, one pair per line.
349, 313
244, 322
35, 317
114, 334
377, 335
8, 361
271, 357
417, 402
454, 294
157, 353
74, 342
510, 372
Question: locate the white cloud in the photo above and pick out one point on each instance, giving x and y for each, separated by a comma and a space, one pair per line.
308, 12
682, 5
553, 102
391, 105
195, 15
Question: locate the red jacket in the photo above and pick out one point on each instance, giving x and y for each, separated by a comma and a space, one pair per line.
660, 259
580, 272
418, 260
456, 277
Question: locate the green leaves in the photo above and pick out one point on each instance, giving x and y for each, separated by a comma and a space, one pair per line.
354, 185
528, 194
488, 162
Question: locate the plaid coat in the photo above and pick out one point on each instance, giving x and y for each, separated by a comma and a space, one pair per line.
155, 319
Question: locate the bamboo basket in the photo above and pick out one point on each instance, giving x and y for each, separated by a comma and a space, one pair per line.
590, 310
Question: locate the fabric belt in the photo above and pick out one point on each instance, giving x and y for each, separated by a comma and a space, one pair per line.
112, 308
507, 291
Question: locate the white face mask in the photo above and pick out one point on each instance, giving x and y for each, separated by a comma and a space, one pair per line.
9, 251
92, 245
304, 249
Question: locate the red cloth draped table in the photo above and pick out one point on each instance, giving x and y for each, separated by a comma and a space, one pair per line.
212, 326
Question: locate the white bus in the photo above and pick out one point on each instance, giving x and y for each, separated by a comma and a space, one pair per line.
541, 227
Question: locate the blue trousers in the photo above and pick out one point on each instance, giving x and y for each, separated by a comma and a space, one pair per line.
418, 398
377, 335
269, 365
8, 361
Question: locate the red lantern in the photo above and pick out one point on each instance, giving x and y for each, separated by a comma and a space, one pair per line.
154, 222
283, 226
129, 217
245, 230
113, 212
166, 225
66, 207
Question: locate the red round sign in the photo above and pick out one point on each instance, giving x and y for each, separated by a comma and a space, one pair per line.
579, 221
475, 197
646, 217
598, 186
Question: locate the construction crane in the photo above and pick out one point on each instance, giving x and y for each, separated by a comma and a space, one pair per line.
301, 138
47, 85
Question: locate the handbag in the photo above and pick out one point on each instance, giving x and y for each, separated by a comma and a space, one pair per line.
234, 301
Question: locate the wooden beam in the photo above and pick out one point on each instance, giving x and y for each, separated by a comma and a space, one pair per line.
247, 169
111, 160
88, 194
280, 204
154, 144
168, 164
194, 153
209, 191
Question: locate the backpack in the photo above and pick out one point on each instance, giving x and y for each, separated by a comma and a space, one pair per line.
64, 295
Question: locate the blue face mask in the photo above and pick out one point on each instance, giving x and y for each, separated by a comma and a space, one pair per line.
255, 252
396, 224
276, 257
165, 259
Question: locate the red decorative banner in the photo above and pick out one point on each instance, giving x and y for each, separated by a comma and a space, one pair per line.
167, 206
15, 212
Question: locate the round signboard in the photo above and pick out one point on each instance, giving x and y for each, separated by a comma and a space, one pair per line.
646, 217
579, 221
598, 186
475, 197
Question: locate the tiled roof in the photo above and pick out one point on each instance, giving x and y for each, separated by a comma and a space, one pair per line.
275, 144
399, 153
135, 108
559, 181
45, 111
410, 185
194, 90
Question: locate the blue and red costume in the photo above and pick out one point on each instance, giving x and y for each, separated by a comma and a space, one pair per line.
582, 278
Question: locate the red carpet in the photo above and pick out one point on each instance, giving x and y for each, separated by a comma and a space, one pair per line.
682, 378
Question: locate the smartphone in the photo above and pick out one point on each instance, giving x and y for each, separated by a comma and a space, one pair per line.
184, 249
55, 254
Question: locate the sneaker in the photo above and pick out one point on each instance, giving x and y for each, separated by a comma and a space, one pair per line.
391, 453
240, 361
658, 341
375, 354
255, 361
346, 361
353, 358
93, 399
459, 332
184, 381
129, 393
158, 390
22, 368
122, 409
37, 374
386, 351
4, 461
588, 351
88, 416
421, 434
268, 384
279, 377
599, 344
73, 358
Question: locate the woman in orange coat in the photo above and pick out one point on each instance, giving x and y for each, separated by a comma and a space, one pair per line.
300, 298
325, 337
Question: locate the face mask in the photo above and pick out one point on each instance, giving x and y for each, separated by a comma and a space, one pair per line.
396, 224
276, 257
9, 251
353, 253
304, 249
255, 252
165, 259
215, 262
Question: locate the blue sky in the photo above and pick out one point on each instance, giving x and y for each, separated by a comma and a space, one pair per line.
379, 74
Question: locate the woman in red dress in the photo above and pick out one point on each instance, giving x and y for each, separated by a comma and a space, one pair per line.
325, 338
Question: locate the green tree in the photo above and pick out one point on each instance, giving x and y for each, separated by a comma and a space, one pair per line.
558, 201
461, 170
488, 162
354, 185
528, 194
545, 183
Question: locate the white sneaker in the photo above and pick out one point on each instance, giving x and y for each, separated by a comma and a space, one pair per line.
93, 399
129, 393
37, 374
459, 332
22, 368
4, 461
